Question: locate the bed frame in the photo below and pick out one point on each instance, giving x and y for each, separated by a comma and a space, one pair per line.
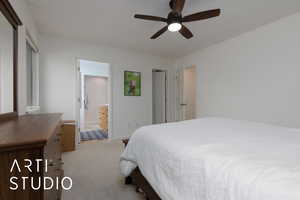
136, 178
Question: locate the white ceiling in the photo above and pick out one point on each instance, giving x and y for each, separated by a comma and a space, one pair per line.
111, 22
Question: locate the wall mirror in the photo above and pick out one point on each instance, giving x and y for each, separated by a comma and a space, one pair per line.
9, 23
6, 66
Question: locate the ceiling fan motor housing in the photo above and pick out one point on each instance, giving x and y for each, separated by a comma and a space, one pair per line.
172, 3
174, 17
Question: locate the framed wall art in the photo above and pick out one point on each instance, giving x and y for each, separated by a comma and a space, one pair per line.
132, 83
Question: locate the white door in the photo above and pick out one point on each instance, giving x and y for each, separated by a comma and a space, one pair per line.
159, 96
78, 101
82, 102
187, 87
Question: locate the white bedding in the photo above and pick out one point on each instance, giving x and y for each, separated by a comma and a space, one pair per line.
217, 159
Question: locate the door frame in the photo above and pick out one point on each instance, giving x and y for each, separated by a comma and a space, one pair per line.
180, 99
78, 97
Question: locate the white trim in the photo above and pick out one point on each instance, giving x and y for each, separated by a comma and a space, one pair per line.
35, 74
36, 79
77, 100
32, 109
101, 76
31, 42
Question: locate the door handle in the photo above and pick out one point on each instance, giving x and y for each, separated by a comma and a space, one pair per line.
183, 104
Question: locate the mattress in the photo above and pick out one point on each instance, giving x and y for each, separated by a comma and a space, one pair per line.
217, 159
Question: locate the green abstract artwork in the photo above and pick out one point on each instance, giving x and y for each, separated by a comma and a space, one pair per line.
132, 83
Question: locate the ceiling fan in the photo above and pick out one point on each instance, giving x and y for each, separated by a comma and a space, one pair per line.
175, 19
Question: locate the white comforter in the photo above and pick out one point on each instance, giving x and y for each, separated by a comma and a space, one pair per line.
217, 159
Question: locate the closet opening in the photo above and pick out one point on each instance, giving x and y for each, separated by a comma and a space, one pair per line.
159, 96
188, 92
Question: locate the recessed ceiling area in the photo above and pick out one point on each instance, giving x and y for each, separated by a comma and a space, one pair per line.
112, 23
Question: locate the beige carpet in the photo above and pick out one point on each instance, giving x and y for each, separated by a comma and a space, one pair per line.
94, 169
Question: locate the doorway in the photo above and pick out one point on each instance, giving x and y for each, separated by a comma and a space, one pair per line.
188, 83
94, 100
159, 96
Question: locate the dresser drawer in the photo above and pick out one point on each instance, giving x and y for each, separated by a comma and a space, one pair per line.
52, 149
52, 153
103, 115
103, 109
68, 136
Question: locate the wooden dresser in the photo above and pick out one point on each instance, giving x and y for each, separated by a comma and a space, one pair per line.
30, 137
68, 136
103, 117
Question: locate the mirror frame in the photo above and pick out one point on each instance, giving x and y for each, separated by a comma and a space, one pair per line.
9, 13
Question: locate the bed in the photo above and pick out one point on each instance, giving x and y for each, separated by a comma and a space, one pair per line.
216, 159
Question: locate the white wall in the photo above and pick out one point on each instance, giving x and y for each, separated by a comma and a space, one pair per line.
57, 81
255, 76
28, 28
24, 14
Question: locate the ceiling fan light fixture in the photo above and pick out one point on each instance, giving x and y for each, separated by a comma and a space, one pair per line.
175, 21
174, 27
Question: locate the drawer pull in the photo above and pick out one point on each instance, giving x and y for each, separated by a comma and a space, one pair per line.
51, 163
57, 140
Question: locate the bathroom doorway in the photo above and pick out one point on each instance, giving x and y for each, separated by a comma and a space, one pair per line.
94, 100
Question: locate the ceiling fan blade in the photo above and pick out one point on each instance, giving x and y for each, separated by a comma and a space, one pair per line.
151, 18
202, 15
160, 32
178, 5
186, 32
